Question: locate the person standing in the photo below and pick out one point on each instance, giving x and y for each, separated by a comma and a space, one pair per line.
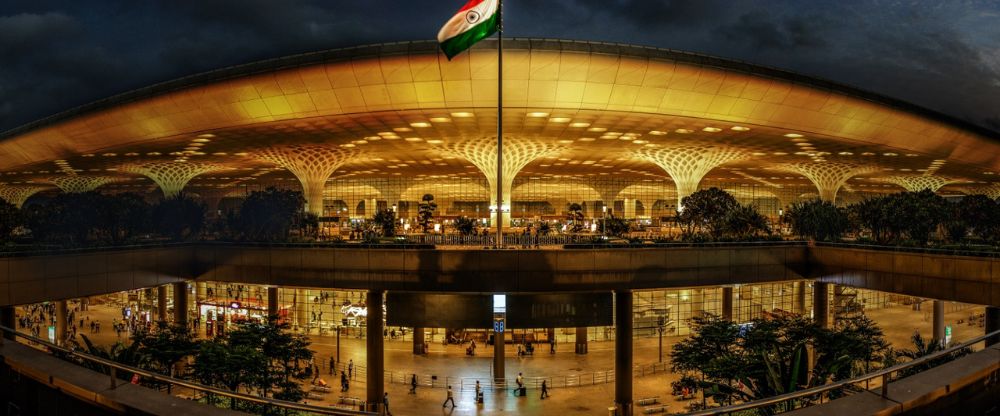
385, 403
333, 364
343, 381
545, 390
413, 384
479, 393
350, 369
451, 398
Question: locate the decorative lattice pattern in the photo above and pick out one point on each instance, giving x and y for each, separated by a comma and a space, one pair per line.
390, 191
171, 177
917, 183
517, 153
18, 194
79, 184
828, 176
687, 164
311, 164
991, 190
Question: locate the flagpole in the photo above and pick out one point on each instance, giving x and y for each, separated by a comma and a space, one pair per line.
499, 242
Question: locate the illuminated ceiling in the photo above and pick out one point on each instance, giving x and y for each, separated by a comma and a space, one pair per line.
574, 111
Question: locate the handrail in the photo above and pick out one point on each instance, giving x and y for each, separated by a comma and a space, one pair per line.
883, 373
182, 383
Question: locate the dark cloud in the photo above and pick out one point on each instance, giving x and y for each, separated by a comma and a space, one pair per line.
763, 30
56, 54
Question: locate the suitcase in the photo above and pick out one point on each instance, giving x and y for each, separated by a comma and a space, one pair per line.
522, 392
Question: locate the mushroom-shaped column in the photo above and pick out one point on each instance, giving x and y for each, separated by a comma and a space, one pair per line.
171, 177
917, 183
687, 164
609, 190
311, 164
827, 176
81, 184
18, 194
517, 153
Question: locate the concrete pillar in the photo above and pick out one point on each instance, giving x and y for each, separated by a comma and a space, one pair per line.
180, 304
8, 319
939, 321
418, 341
499, 359
61, 316
727, 302
371, 207
375, 352
581, 340
272, 301
821, 304
301, 320
629, 208
161, 304
800, 297
623, 352
992, 324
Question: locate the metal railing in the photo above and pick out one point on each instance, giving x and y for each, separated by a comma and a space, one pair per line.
148, 376
815, 395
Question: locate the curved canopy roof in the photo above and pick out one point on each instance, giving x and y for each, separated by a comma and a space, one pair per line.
578, 110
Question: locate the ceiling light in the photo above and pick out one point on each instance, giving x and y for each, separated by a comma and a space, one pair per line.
579, 124
793, 135
657, 133
585, 139
206, 136
413, 139
537, 114
712, 129
559, 120
440, 119
435, 141
739, 128
462, 114
683, 131
845, 153
597, 129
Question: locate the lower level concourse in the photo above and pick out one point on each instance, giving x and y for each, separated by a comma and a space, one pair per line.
577, 364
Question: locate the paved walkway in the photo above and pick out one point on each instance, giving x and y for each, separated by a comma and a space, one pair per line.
450, 364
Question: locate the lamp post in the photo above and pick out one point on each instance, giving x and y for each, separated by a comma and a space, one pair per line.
660, 321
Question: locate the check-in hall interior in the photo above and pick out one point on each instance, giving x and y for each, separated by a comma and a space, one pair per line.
578, 357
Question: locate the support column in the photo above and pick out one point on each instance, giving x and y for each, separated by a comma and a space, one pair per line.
272, 301
623, 352
800, 297
375, 351
499, 359
629, 209
161, 304
180, 304
939, 321
8, 319
418, 341
581, 340
300, 309
727, 303
992, 324
697, 302
821, 304
61, 316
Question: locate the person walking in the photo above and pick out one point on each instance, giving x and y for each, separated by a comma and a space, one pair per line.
479, 393
350, 369
385, 403
343, 381
413, 384
451, 398
545, 389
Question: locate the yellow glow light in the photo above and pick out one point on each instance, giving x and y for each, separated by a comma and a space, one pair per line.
462, 114
739, 128
537, 114
420, 124
579, 124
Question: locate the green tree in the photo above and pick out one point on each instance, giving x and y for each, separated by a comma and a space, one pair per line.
922, 348
615, 226
981, 214
385, 222
922, 213
466, 226
10, 219
816, 219
270, 214
706, 211
744, 222
425, 212
768, 357
166, 347
574, 215
179, 218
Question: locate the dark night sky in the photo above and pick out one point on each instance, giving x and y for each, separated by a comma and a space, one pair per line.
944, 55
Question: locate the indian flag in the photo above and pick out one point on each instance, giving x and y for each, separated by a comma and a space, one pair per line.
475, 21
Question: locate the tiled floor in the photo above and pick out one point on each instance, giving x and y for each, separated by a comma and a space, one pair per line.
451, 365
